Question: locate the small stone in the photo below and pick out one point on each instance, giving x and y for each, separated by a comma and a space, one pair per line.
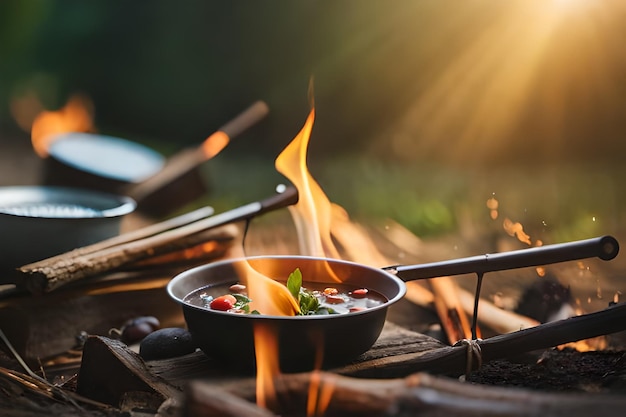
166, 343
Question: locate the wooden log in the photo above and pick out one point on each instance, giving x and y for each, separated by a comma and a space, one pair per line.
109, 371
202, 399
418, 394
454, 359
449, 309
489, 315
45, 276
497, 319
359, 247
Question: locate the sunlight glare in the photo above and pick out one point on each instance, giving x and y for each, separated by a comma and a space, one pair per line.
530, 69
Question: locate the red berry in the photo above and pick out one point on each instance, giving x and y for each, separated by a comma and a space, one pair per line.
223, 303
334, 299
361, 292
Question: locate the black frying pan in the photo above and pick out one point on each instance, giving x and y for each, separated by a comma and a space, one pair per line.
339, 338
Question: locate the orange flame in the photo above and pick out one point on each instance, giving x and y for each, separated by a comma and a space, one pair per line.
266, 346
312, 214
280, 303
75, 116
319, 394
312, 217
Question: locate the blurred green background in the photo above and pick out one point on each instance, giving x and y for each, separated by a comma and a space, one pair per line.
424, 108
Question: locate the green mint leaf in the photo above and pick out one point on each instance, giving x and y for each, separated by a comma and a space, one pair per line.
242, 302
308, 303
242, 298
294, 283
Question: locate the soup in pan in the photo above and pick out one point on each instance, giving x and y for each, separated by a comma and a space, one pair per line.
313, 299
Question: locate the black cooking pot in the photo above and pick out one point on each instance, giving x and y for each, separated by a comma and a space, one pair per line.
339, 338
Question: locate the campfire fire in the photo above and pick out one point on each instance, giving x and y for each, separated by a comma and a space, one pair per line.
319, 223
75, 116
312, 216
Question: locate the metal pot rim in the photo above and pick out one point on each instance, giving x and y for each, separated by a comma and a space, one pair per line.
103, 205
174, 282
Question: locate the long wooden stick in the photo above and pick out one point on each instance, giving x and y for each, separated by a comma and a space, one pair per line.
188, 159
453, 359
418, 394
43, 276
142, 233
449, 309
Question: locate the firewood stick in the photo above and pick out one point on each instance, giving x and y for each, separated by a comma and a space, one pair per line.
449, 309
144, 232
453, 359
46, 278
42, 276
425, 395
499, 320
489, 315
203, 399
419, 295
189, 158
197, 253
450, 301
494, 317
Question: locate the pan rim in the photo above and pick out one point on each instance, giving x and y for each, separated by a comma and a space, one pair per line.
401, 288
102, 204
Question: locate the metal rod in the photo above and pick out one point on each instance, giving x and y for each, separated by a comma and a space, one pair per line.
604, 247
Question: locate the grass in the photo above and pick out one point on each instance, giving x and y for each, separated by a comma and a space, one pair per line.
554, 203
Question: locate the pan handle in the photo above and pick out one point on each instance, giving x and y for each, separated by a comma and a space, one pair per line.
604, 247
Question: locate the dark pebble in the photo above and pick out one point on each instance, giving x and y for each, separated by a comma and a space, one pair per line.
166, 343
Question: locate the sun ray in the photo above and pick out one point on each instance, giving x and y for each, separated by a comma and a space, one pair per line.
540, 70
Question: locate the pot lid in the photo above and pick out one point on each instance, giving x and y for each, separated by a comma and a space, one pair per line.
106, 156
